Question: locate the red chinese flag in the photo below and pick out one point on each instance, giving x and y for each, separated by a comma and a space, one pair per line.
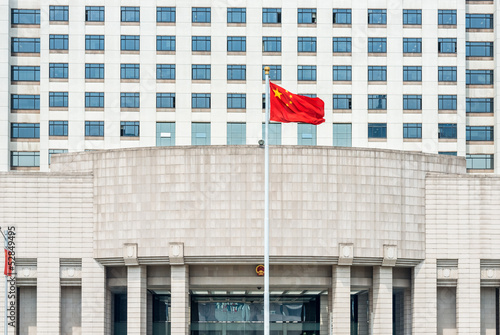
8, 263
289, 107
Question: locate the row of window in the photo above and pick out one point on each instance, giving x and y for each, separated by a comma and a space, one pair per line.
131, 128
238, 72
238, 15
238, 44
238, 101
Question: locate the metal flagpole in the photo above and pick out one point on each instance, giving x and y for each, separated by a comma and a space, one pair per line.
266, 209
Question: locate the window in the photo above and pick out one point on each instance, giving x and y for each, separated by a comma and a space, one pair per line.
479, 133
342, 134
58, 13
271, 44
94, 42
236, 133
236, 101
165, 71
165, 100
25, 130
479, 21
25, 16
236, 44
25, 159
377, 45
58, 99
412, 16
58, 42
377, 102
28, 102
341, 16
200, 100
412, 73
447, 73
94, 99
447, 102
94, 71
449, 153
201, 43
200, 72
274, 133
377, 16
412, 130
129, 100
479, 105
479, 49
274, 72
412, 102
25, 73
447, 130
200, 134
306, 15
377, 73
25, 45
165, 43
94, 13
130, 14
129, 71
58, 70
56, 151
306, 44
306, 72
236, 72
201, 15
165, 14
377, 130
58, 128
306, 134
479, 162
165, 134
130, 43
342, 73
271, 15
94, 128
447, 17
236, 15
129, 128
447, 45
341, 44
412, 45
342, 101
479, 77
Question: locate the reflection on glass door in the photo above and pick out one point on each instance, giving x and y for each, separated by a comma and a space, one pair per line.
360, 311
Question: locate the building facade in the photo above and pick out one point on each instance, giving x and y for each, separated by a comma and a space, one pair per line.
167, 241
404, 75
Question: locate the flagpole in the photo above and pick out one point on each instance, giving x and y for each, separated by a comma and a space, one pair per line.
266, 209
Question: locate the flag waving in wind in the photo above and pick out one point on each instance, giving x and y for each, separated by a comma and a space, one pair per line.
289, 107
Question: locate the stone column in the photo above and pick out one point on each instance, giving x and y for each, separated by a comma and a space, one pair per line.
136, 300
48, 296
469, 297
424, 298
341, 300
180, 299
382, 300
407, 311
324, 323
94, 312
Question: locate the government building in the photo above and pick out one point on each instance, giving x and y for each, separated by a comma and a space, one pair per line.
132, 179
409, 75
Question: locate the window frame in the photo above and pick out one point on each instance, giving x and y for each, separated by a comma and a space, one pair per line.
201, 15
201, 101
342, 102
201, 43
479, 133
233, 13
24, 130
236, 44
274, 72
412, 100
347, 138
92, 11
341, 73
236, 101
471, 18
489, 102
236, 136
486, 49
447, 45
130, 14
377, 102
447, 131
449, 71
59, 13
473, 77
24, 155
412, 73
18, 71
409, 13
236, 72
447, 17
306, 16
164, 14
165, 71
18, 16
488, 161
90, 69
58, 128
165, 100
412, 130
58, 42
58, 99
20, 100
342, 16
201, 72
271, 44
130, 43
18, 45
447, 102
55, 70
92, 126
377, 16
306, 72
91, 40
130, 100
129, 129
94, 99
130, 71
377, 130
377, 73
165, 43
407, 42
306, 44
271, 15
377, 45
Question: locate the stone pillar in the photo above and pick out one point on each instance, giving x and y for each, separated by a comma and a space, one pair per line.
48, 311
407, 311
324, 323
341, 300
468, 297
424, 298
382, 300
94, 311
136, 300
180, 299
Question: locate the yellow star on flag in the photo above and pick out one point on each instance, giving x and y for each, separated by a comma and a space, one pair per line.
277, 93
